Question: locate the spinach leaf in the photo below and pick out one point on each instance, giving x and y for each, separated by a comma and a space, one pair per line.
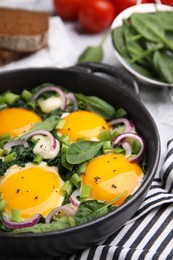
119, 40
96, 105
163, 63
167, 17
48, 124
42, 227
150, 28
82, 151
92, 209
134, 45
2, 227
92, 54
24, 155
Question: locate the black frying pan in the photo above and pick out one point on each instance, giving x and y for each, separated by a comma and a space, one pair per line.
119, 90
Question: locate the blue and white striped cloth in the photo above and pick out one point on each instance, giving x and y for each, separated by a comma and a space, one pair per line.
149, 233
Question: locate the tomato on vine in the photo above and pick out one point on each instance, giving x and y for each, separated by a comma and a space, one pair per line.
68, 9
96, 15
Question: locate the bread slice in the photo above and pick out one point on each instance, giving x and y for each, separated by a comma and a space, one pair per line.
9, 56
23, 30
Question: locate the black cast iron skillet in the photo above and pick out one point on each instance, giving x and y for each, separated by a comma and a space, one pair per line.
120, 93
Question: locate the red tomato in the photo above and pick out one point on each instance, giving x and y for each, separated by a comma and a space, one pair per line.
123, 4
167, 2
96, 15
68, 9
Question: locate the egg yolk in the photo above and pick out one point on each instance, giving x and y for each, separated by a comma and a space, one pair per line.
15, 121
83, 124
110, 175
32, 191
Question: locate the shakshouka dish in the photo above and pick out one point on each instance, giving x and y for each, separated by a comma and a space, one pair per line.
65, 159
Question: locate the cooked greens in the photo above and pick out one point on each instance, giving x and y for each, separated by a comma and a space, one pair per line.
145, 41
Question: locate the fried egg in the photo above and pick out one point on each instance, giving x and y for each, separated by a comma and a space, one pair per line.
83, 124
32, 189
17, 121
110, 175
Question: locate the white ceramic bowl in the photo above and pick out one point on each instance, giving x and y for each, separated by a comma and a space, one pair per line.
118, 21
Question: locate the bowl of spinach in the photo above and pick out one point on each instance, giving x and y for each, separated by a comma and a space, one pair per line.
142, 37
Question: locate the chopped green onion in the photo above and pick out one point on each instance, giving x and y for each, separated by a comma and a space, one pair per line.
72, 221
121, 113
64, 148
64, 163
1, 152
2, 99
81, 167
85, 192
26, 95
11, 98
107, 147
10, 157
2, 106
31, 104
60, 124
65, 139
67, 187
3, 204
136, 147
6, 136
75, 179
105, 135
38, 159
64, 219
15, 215
118, 150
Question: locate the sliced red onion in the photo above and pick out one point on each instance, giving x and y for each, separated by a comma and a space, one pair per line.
57, 90
67, 211
16, 225
128, 149
15, 143
42, 132
129, 126
132, 136
73, 198
70, 96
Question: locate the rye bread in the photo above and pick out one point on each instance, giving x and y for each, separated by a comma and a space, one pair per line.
9, 56
23, 30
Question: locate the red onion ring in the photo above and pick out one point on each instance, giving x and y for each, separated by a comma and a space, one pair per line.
42, 132
73, 198
57, 90
66, 210
122, 137
16, 225
129, 126
15, 143
70, 96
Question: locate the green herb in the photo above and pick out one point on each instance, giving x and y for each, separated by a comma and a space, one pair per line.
163, 63
42, 227
93, 54
48, 124
11, 98
92, 209
145, 41
15, 215
96, 105
82, 151
26, 95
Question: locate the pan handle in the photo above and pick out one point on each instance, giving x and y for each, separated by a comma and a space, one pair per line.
118, 76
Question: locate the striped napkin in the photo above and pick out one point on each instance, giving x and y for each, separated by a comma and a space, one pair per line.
149, 233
